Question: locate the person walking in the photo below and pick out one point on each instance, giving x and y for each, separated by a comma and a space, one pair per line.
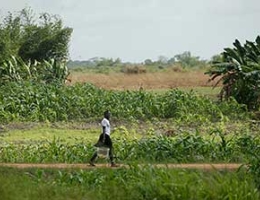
104, 140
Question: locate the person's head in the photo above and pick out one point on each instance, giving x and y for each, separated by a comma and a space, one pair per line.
107, 114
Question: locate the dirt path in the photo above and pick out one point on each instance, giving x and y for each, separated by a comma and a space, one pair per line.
202, 166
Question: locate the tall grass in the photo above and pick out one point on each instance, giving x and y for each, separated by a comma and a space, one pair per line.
126, 184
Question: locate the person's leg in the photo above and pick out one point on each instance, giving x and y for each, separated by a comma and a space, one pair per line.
108, 141
100, 141
93, 158
111, 157
95, 155
109, 144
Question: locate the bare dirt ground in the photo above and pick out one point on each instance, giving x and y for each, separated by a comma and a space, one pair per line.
200, 166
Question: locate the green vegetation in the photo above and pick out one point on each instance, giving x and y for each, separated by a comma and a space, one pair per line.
180, 62
16, 70
33, 39
239, 72
173, 126
40, 133
182, 148
124, 184
209, 92
26, 101
215, 144
33, 49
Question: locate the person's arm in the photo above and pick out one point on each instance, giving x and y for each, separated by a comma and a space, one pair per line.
104, 132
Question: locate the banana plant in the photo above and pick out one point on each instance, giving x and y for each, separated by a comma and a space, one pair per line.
239, 73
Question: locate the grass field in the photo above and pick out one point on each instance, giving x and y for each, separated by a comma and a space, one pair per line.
42, 134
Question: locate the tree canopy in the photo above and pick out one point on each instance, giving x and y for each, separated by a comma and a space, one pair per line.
33, 48
33, 38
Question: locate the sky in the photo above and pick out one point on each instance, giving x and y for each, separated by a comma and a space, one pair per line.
136, 30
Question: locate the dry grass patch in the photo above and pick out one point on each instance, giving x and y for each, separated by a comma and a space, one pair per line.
158, 80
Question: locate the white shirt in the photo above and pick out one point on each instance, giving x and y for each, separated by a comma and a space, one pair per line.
105, 123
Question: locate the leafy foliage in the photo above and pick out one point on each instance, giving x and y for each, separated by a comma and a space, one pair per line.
33, 51
16, 70
21, 36
183, 148
239, 73
140, 183
34, 101
251, 147
187, 60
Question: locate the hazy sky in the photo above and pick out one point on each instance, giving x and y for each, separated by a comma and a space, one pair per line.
135, 30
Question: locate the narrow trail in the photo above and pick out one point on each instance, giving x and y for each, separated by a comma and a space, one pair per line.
201, 166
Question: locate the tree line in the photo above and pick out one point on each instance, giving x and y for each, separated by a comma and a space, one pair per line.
185, 60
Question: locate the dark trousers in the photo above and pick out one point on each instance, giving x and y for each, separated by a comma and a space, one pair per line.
107, 143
